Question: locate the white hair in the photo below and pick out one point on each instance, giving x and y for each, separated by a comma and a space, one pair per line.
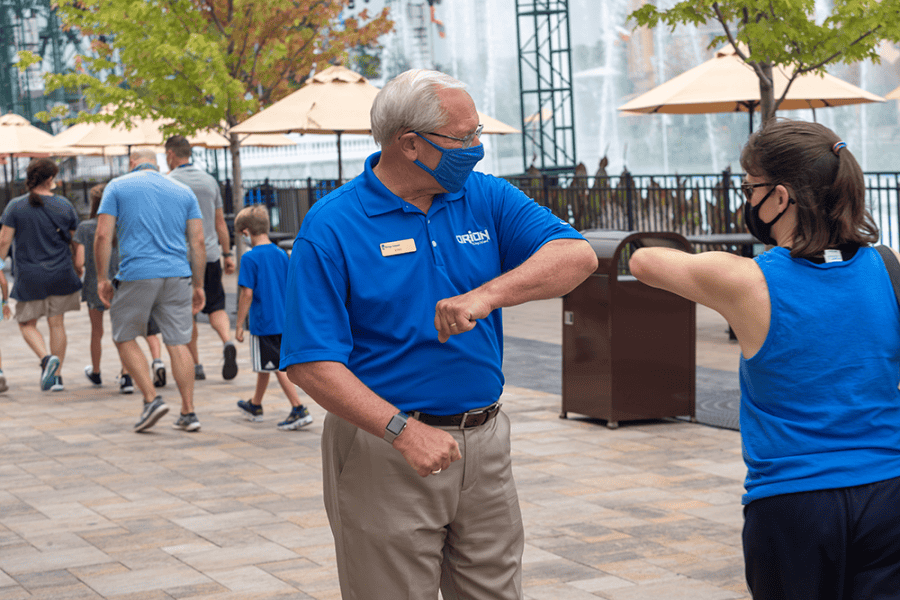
410, 101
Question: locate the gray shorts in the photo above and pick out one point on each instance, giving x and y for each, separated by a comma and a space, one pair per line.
166, 300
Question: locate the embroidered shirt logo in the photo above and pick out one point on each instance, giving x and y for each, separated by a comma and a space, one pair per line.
474, 237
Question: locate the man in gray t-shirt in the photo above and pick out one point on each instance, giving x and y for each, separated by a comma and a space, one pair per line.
215, 233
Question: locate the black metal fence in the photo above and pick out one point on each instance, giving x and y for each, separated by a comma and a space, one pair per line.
686, 204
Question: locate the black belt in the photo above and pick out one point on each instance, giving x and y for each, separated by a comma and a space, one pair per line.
466, 420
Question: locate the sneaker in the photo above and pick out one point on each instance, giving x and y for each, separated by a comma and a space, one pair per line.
49, 366
3, 386
126, 386
57, 384
199, 375
159, 373
253, 412
94, 377
152, 413
298, 418
230, 368
187, 422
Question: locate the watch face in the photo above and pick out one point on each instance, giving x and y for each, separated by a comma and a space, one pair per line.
396, 424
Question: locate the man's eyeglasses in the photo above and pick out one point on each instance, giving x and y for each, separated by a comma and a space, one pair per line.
749, 187
466, 141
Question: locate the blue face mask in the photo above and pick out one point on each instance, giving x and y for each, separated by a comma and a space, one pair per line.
455, 166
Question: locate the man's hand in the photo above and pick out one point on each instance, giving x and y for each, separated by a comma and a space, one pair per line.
239, 332
229, 265
459, 314
198, 301
7, 313
105, 291
426, 449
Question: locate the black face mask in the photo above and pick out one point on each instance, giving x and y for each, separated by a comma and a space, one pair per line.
759, 228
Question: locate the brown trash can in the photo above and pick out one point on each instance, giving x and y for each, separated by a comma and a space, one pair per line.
629, 350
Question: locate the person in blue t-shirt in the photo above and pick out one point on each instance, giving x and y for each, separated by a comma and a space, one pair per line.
819, 328
161, 267
392, 324
262, 280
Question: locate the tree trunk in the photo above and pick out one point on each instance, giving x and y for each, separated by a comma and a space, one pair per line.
767, 106
237, 193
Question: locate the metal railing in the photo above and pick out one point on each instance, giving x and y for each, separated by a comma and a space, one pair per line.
686, 204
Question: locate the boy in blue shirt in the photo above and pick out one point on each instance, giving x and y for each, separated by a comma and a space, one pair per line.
262, 280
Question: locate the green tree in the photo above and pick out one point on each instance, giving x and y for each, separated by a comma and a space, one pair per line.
787, 33
204, 64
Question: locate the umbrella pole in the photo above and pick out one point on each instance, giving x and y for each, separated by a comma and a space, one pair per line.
340, 167
6, 178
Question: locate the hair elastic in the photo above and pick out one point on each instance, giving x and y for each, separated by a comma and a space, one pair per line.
837, 147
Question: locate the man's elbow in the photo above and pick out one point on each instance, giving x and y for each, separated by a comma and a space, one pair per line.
302, 375
584, 261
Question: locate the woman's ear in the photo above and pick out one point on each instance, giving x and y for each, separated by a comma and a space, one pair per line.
783, 195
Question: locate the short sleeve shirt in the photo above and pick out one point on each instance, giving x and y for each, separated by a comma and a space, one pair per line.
368, 268
84, 235
151, 214
264, 270
209, 196
43, 258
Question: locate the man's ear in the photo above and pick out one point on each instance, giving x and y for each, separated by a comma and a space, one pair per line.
406, 143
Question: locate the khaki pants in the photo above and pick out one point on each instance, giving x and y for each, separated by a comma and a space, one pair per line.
399, 536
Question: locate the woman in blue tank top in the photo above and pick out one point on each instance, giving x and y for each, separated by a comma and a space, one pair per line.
819, 329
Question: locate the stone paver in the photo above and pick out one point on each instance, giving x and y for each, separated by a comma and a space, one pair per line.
89, 509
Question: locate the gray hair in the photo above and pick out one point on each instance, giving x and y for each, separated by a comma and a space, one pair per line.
144, 155
410, 101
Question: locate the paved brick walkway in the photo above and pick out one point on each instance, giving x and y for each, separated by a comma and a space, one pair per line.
90, 510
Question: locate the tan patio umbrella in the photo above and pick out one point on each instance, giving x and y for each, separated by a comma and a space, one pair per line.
336, 100
493, 126
726, 83
148, 132
18, 137
894, 95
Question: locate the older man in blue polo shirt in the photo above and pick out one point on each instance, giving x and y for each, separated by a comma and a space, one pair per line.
393, 325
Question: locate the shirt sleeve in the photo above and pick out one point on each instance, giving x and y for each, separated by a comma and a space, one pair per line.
193, 206
80, 234
108, 203
316, 321
73, 216
524, 226
8, 217
247, 275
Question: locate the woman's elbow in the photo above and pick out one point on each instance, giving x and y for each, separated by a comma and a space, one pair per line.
640, 264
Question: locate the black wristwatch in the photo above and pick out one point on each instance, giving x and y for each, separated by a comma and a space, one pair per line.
226, 254
395, 427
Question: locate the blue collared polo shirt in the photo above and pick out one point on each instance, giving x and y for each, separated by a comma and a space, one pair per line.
368, 268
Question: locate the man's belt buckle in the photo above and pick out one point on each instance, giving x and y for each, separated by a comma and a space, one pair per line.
465, 417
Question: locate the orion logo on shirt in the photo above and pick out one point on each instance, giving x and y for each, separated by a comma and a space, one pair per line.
474, 237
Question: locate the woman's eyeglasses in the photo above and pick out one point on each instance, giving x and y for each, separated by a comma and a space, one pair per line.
749, 187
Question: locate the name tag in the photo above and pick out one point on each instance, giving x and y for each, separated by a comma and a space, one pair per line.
398, 247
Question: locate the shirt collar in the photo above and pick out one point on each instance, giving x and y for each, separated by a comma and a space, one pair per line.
378, 199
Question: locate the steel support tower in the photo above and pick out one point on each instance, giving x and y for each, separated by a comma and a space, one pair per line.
545, 85
33, 25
